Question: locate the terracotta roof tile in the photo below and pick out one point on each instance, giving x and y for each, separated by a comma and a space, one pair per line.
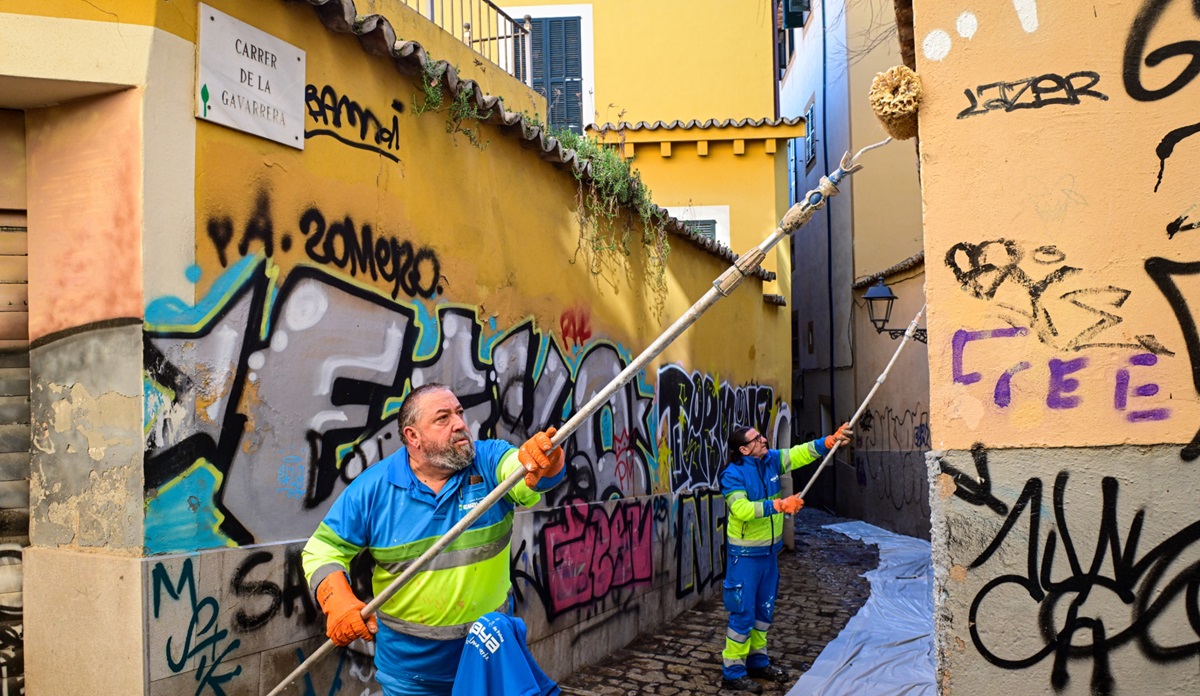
688, 125
914, 261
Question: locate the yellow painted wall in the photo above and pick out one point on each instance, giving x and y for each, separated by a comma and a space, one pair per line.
648, 56
746, 182
1074, 190
179, 18
419, 199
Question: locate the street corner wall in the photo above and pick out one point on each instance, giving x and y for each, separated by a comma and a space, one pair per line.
888, 484
388, 253
84, 188
1059, 156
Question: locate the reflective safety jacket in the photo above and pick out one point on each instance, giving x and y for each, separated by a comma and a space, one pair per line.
753, 527
396, 518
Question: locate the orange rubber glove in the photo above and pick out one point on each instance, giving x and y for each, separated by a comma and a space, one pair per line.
789, 505
842, 435
540, 458
343, 611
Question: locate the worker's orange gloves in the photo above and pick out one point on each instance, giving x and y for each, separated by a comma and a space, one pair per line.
842, 435
343, 611
540, 458
789, 505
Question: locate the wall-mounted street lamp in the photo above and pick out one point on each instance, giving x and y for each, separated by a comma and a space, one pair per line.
879, 299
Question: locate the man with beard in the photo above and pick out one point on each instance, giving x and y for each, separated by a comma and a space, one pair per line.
396, 510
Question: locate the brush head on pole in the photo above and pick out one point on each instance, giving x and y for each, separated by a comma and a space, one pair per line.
895, 98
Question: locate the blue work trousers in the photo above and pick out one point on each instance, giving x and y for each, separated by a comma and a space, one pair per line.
751, 583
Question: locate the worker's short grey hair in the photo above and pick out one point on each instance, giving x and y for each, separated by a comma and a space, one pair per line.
410, 410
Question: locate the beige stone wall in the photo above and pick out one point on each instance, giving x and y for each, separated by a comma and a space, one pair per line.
1059, 159
887, 484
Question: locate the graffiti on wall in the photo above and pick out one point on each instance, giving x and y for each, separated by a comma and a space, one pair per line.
361, 251
204, 639
1147, 585
12, 627
1164, 274
218, 374
1032, 93
699, 541
339, 117
1136, 59
889, 454
995, 271
697, 413
1036, 291
588, 556
210, 610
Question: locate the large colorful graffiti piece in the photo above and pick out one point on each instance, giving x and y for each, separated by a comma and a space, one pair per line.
268, 401
696, 414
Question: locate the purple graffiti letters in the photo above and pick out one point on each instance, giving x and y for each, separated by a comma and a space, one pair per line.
1121, 396
1003, 393
962, 337
1060, 384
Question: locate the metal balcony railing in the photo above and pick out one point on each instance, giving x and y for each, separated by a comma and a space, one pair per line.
483, 26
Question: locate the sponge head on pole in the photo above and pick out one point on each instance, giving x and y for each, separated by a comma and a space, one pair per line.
895, 99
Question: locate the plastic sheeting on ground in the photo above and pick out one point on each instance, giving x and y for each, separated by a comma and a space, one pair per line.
887, 647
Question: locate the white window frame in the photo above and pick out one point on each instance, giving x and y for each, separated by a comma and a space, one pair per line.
720, 213
587, 45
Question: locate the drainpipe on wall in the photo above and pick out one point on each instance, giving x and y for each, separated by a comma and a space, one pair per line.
776, 6
828, 230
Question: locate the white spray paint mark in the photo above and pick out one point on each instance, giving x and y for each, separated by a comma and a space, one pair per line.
223, 348
966, 25
279, 341
256, 360
379, 363
253, 376
936, 45
318, 421
306, 306
1027, 13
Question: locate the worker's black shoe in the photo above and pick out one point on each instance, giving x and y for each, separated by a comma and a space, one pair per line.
770, 673
741, 684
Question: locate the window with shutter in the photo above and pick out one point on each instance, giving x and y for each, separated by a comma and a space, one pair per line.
704, 228
557, 69
810, 136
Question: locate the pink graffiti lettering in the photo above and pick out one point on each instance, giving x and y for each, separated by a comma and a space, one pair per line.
590, 554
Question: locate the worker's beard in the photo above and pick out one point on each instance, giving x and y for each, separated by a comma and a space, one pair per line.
452, 457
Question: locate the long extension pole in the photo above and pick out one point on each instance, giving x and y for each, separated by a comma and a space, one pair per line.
746, 265
862, 408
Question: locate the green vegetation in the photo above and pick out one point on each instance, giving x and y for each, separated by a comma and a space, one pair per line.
462, 116
614, 188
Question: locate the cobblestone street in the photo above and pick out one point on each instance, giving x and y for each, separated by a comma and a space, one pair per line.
820, 589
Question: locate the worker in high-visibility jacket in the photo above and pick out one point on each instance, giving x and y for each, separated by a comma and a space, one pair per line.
397, 509
755, 511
